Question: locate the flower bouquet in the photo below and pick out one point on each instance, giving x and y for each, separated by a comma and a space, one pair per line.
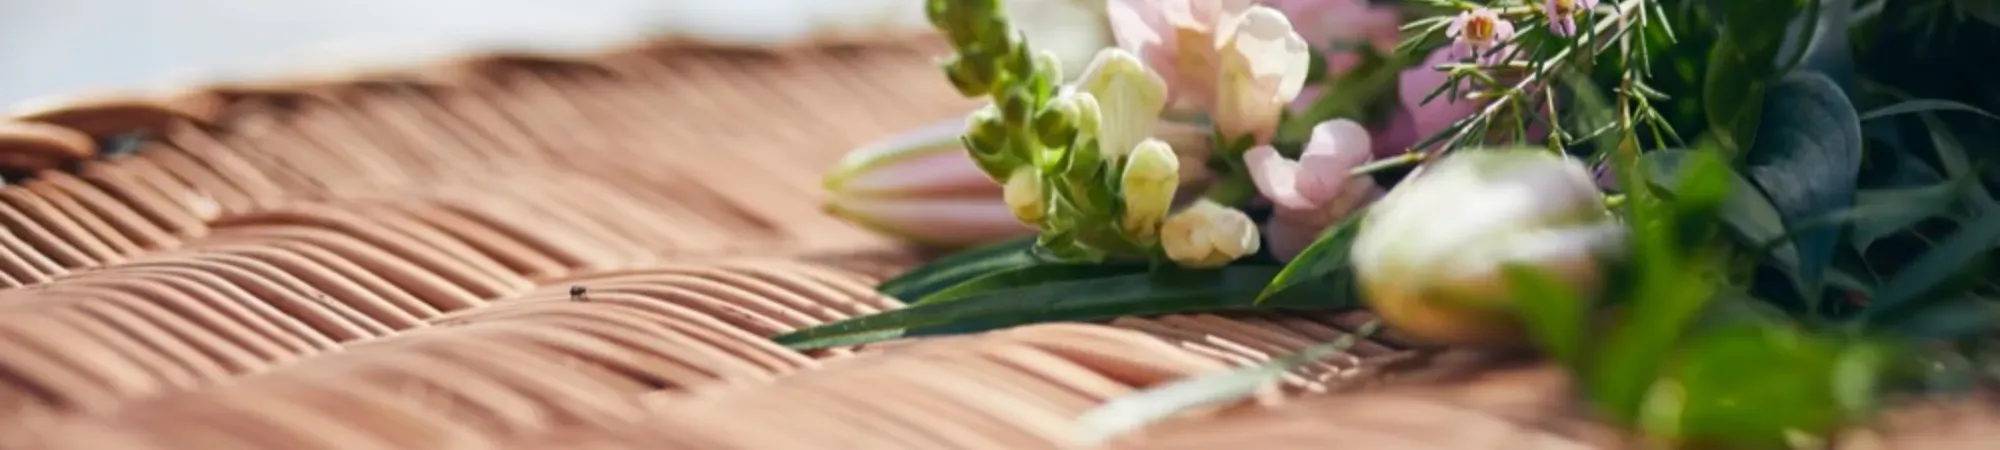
1737, 223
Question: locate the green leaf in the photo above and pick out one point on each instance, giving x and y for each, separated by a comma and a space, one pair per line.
1165, 291
1914, 286
1924, 105
1748, 215
1951, 155
1128, 413
1807, 159
1327, 254
1963, 317
1554, 314
1028, 276
1667, 293
1882, 212
1983, 10
1830, 51
1756, 386
954, 269
1730, 90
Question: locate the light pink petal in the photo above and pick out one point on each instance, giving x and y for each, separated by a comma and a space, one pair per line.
1137, 24
1395, 136
940, 174
1275, 177
1418, 82
951, 222
1562, 26
1288, 238
1357, 192
1503, 30
1336, 148
1457, 26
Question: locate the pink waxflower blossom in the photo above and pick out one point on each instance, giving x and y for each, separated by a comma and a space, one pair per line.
1562, 14
1480, 31
1315, 191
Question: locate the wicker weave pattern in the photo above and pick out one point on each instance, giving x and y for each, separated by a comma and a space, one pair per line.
388, 261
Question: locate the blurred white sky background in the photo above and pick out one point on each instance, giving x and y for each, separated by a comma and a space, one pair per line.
69, 46
66, 47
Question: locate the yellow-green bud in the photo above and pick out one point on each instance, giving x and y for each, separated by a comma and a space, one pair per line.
1025, 195
1017, 106
938, 12
1152, 173
1087, 113
985, 133
1049, 66
1055, 125
1209, 235
972, 75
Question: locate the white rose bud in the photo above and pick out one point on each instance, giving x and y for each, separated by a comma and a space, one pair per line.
1430, 255
1208, 235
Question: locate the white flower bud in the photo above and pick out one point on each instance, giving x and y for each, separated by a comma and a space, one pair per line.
1263, 67
1208, 235
1025, 196
1152, 173
1130, 97
1430, 255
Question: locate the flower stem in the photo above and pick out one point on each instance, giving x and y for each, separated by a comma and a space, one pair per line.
1507, 97
1386, 164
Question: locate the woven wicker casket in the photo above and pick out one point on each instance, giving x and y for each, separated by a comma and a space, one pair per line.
510, 251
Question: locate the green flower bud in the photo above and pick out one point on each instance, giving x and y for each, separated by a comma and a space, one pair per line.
1056, 123
1152, 173
1026, 196
1208, 235
985, 133
1430, 256
1017, 106
1088, 114
1048, 66
971, 75
938, 12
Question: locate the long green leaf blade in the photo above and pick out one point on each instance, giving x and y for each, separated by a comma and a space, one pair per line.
1125, 414
952, 270
1326, 255
1163, 292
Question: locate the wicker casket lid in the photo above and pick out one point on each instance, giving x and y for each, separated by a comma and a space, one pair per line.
389, 261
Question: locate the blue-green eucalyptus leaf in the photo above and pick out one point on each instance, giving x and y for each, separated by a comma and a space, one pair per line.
1806, 160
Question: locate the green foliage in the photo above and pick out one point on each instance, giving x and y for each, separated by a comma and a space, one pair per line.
1061, 294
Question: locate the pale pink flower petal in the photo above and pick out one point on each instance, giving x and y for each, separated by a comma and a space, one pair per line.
1337, 147
1263, 67
1419, 81
1275, 176
1395, 135
949, 222
1175, 38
